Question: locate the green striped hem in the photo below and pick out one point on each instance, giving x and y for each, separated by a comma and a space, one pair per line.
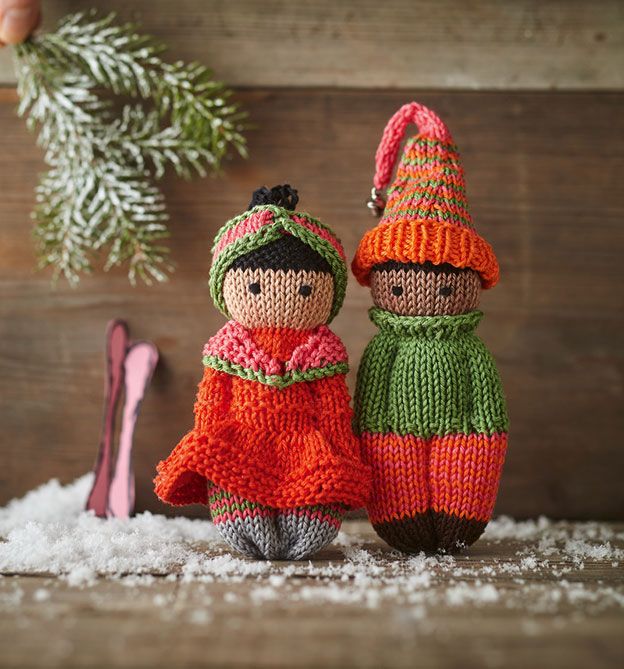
436, 198
432, 162
442, 171
424, 184
425, 213
274, 380
245, 505
494, 426
419, 140
227, 505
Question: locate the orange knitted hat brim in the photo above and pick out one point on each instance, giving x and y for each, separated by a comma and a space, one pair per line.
424, 211
421, 241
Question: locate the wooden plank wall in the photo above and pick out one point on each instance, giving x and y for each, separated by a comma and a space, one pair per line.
450, 44
544, 173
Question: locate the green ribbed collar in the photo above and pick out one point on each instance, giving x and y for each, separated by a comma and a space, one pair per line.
440, 327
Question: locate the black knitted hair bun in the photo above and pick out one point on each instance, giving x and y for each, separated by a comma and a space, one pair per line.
282, 196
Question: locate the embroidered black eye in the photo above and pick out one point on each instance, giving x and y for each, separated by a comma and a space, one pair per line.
445, 291
397, 291
305, 290
254, 288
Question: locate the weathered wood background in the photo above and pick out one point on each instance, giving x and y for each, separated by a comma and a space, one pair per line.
542, 137
450, 44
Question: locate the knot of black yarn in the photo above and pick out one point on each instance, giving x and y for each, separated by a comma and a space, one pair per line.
282, 196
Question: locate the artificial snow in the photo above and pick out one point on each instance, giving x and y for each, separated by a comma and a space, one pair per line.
47, 532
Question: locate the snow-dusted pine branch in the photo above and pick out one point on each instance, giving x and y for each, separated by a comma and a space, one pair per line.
105, 155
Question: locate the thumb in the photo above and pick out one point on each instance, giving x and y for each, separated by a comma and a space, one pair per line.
18, 18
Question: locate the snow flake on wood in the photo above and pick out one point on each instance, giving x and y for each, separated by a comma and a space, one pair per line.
537, 567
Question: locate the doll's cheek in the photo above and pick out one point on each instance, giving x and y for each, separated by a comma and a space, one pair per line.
390, 293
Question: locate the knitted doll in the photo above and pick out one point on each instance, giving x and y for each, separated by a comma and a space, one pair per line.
429, 406
272, 450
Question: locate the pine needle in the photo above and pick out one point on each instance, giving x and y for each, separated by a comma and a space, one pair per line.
104, 154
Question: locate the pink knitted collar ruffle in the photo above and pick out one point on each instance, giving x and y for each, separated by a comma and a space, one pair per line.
233, 350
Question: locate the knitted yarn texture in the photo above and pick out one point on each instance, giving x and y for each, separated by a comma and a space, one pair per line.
433, 424
426, 215
430, 409
265, 532
267, 223
272, 450
457, 390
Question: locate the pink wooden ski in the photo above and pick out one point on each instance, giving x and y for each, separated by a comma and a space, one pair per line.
141, 360
116, 345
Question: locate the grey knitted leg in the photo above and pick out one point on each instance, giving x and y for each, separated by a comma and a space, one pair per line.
306, 530
273, 534
248, 527
253, 537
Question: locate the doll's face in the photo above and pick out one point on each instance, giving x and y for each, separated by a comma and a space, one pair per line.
298, 299
424, 290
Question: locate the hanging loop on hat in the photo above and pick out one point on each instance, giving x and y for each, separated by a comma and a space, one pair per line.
429, 124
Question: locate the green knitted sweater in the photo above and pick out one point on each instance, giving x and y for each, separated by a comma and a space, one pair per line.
428, 375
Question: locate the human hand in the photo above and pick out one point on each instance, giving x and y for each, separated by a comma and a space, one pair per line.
18, 18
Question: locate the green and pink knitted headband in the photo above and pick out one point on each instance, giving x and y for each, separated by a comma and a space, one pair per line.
267, 223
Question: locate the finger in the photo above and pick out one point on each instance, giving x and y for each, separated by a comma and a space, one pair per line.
18, 18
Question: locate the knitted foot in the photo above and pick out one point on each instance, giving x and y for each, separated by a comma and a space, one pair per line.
247, 527
455, 533
308, 529
464, 472
263, 532
399, 503
410, 535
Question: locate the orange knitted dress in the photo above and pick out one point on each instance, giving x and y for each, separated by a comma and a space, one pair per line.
272, 451
284, 445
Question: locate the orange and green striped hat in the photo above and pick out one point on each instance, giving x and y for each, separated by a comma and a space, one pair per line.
425, 217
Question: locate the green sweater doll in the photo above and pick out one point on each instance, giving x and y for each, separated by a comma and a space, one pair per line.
430, 410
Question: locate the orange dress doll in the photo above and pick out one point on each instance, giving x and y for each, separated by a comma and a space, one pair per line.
272, 450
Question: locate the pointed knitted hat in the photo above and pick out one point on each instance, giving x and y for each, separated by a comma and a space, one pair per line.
426, 216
